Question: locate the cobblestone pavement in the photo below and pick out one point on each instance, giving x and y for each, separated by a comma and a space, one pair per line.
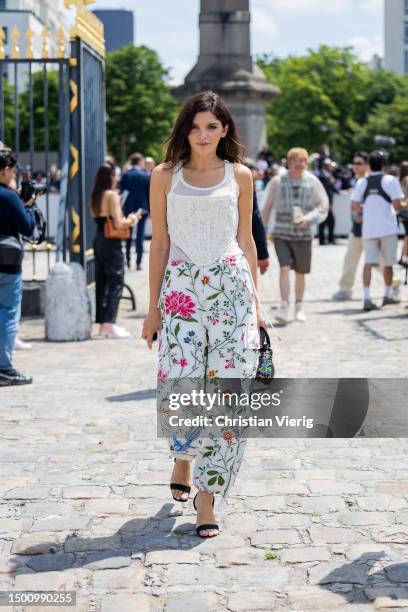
312, 524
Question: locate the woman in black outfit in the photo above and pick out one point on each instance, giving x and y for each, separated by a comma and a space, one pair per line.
109, 261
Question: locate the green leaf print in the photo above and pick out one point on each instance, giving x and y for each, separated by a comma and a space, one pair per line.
212, 472
212, 481
196, 274
177, 329
214, 295
221, 481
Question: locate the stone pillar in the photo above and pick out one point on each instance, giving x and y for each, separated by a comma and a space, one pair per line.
67, 304
225, 66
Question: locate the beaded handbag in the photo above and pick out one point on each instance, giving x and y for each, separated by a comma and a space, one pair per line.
266, 370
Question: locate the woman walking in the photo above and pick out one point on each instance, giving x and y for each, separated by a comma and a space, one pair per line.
109, 260
403, 215
203, 274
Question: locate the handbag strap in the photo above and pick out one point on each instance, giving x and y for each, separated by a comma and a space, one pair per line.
267, 319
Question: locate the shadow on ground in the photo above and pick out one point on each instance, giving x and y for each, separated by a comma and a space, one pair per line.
136, 396
391, 581
110, 552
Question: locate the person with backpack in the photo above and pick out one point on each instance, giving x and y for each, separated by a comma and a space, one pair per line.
379, 196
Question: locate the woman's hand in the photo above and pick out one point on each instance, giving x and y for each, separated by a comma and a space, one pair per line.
151, 325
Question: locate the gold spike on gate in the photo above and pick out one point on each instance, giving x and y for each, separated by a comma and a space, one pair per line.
45, 43
2, 41
61, 43
29, 35
15, 49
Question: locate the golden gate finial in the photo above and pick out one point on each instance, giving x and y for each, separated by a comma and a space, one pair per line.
87, 25
77, 3
2, 41
45, 43
15, 49
61, 43
29, 43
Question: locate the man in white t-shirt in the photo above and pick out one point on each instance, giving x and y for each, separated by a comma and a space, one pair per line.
379, 196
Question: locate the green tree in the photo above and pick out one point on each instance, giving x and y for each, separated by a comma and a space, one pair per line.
325, 88
40, 114
140, 106
9, 122
387, 120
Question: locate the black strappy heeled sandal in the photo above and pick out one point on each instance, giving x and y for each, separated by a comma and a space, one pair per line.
174, 486
206, 526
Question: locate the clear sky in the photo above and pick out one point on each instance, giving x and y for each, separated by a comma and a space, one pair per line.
282, 27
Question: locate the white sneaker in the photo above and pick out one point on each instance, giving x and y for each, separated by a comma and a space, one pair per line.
116, 333
300, 315
341, 296
282, 315
20, 345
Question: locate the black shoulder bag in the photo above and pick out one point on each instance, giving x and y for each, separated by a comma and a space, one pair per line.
11, 251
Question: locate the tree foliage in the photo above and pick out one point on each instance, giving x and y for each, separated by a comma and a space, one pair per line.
39, 105
330, 89
389, 120
140, 106
39, 114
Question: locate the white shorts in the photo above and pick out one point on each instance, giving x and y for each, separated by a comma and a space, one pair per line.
385, 247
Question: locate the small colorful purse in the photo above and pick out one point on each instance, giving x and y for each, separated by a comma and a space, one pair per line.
266, 370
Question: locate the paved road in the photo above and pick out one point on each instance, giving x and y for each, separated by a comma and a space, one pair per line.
313, 524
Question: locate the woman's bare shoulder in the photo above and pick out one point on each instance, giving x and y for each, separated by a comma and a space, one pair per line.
242, 173
163, 171
111, 194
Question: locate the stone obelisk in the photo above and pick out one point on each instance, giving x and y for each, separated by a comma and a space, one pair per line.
225, 65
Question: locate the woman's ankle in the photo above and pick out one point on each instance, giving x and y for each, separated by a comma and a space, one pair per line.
106, 327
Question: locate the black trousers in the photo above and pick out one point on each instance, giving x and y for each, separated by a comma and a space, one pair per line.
329, 223
109, 276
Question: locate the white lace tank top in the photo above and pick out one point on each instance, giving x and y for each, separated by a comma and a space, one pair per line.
203, 221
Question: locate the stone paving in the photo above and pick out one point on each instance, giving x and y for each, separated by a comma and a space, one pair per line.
313, 524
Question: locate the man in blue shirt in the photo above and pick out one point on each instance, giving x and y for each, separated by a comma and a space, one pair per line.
135, 185
15, 219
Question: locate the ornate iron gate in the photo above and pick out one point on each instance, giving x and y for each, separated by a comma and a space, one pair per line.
31, 88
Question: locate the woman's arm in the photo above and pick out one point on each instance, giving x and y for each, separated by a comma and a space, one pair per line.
245, 238
115, 211
159, 248
245, 205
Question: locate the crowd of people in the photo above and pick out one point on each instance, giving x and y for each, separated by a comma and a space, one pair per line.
374, 233
300, 190
209, 241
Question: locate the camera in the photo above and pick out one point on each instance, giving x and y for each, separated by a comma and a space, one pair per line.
30, 188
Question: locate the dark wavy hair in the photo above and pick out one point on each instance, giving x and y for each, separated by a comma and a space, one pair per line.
178, 147
403, 171
103, 182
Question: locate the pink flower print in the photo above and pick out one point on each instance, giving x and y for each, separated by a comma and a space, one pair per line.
176, 262
162, 376
231, 260
179, 303
183, 362
215, 321
229, 365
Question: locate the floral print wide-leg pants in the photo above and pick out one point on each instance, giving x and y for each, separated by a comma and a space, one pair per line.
209, 334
